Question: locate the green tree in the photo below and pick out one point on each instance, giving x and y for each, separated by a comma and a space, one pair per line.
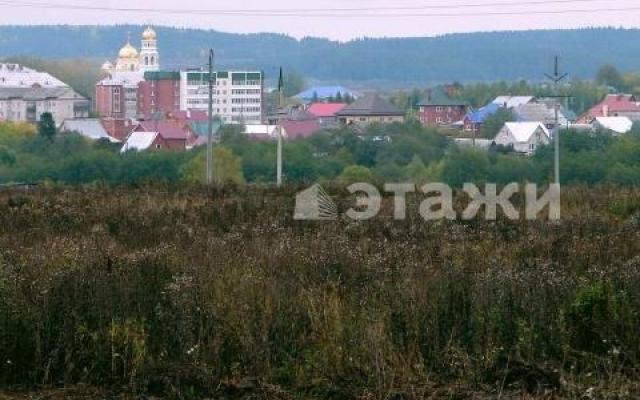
495, 122
47, 126
7, 156
609, 75
293, 83
356, 173
227, 168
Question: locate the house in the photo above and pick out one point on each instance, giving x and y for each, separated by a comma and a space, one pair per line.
325, 93
473, 121
441, 111
539, 112
370, 109
513, 101
140, 141
90, 128
615, 125
176, 135
523, 137
326, 113
299, 129
261, 131
614, 105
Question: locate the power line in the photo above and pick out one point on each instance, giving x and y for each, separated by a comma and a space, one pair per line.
299, 13
307, 10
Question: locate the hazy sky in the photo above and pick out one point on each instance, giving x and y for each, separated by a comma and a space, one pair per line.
337, 24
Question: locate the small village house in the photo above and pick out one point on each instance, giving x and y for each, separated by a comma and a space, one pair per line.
613, 105
370, 109
615, 125
441, 111
523, 137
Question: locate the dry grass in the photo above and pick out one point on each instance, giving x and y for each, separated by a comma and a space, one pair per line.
189, 294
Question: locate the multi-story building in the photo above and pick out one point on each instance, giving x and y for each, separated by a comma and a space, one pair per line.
25, 94
237, 98
117, 95
159, 92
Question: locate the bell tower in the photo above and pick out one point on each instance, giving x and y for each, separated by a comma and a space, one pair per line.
149, 57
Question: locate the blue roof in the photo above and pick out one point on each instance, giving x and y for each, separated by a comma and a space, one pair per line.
324, 92
479, 116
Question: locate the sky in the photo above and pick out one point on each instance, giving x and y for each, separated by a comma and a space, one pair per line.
328, 18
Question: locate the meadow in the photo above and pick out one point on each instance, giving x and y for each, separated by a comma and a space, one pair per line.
183, 292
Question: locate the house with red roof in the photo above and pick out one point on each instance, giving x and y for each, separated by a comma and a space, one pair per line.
299, 129
175, 135
613, 105
326, 113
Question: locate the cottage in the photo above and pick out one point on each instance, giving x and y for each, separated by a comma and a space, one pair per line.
614, 105
140, 141
615, 125
473, 121
176, 135
539, 112
326, 113
90, 128
370, 109
523, 137
442, 111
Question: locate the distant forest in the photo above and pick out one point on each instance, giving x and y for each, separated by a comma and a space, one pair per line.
403, 61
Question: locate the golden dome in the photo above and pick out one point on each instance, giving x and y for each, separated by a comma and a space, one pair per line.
149, 34
128, 51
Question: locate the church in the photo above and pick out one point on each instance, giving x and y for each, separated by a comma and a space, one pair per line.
130, 60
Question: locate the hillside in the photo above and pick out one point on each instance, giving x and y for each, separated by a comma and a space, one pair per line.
462, 57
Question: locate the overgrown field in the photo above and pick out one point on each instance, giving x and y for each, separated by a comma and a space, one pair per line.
184, 293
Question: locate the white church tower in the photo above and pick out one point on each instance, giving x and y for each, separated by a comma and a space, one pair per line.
149, 57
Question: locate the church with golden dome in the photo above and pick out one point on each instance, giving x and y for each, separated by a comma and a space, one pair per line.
132, 60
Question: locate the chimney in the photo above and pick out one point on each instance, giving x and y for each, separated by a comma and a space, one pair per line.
605, 110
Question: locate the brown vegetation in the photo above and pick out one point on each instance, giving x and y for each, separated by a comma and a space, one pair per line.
188, 294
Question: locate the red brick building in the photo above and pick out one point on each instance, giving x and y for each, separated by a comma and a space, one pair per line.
159, 92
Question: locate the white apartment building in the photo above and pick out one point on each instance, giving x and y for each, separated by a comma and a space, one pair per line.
237, 98
28, 104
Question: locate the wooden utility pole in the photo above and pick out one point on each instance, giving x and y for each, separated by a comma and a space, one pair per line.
556, 78
210, 131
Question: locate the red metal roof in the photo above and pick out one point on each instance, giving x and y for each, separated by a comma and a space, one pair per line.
324, 110
612, 104
169, 130
300, 129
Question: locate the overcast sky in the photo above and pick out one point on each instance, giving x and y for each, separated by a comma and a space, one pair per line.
341, 25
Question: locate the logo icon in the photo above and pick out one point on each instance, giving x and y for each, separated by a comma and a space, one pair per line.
314, 204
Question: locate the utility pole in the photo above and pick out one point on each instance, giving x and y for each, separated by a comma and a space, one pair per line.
210, 131
279, 127
556, 78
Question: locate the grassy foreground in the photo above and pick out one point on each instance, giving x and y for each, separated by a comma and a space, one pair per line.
180, 293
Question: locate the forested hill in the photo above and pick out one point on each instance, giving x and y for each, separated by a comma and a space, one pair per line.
462, 57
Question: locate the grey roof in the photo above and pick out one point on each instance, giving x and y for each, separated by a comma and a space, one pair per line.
91, 128
370, 106
538, 112
39, 93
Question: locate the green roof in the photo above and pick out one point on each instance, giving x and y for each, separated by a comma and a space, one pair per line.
161, 75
